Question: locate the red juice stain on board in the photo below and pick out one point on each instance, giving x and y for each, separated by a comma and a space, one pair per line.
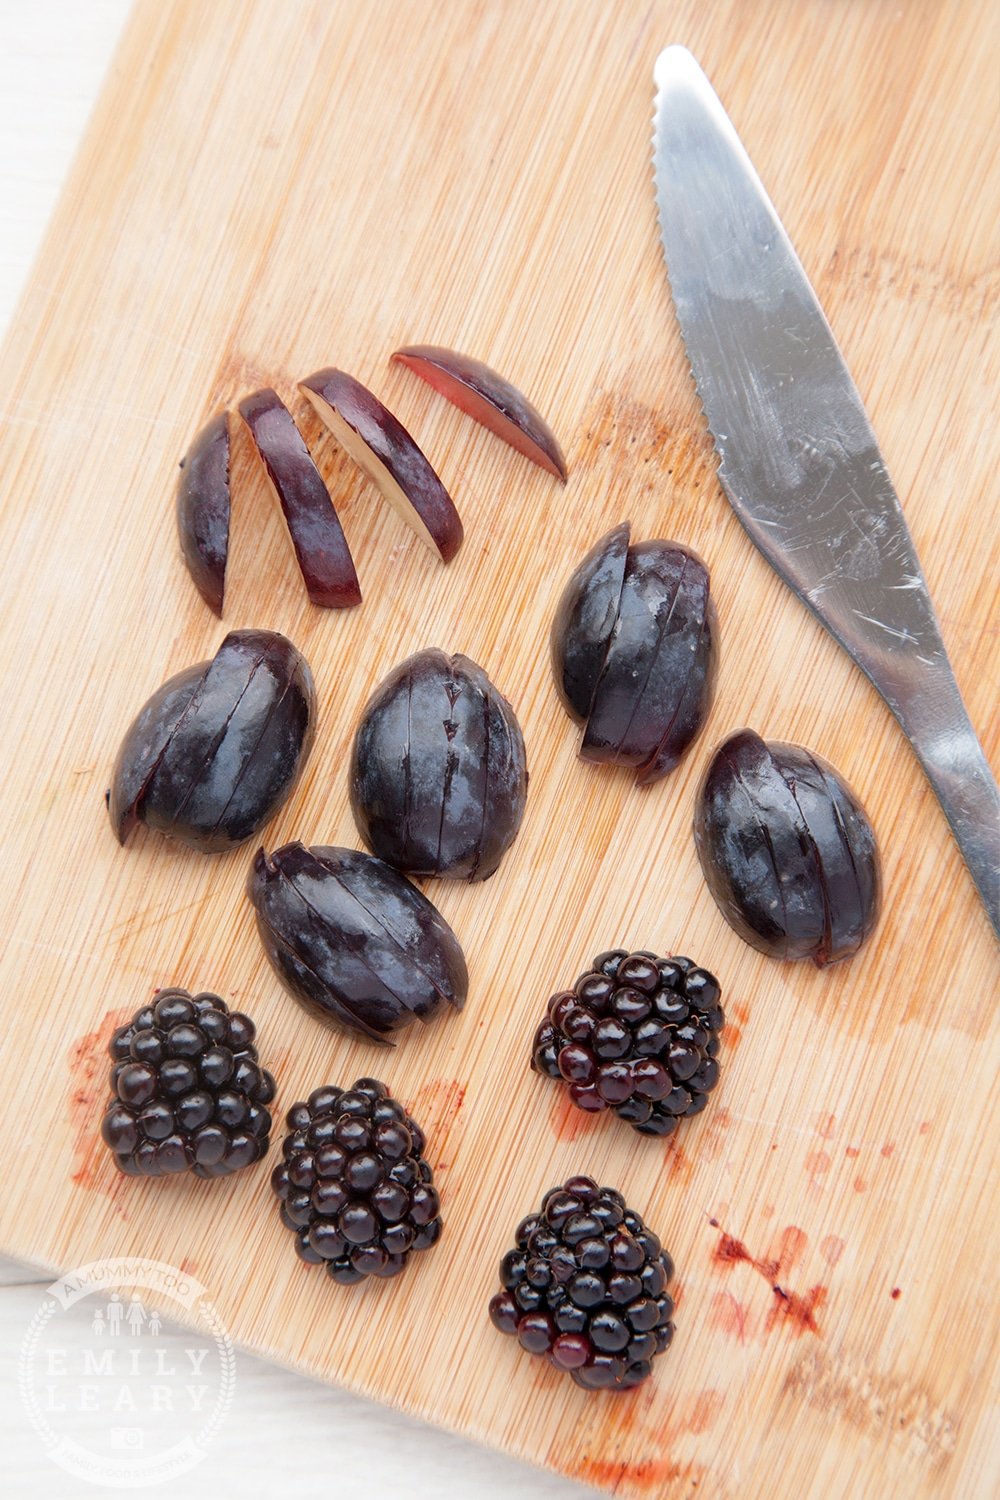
732, 1036
676, 1164
89, 1150
740, 1011
860, 1185
728, 1315
792, 1244
800, 1312
713, 1140
437, 1105
89, 1064
729, 1250
816, 1163
647, 1474
888, 1148
788, 1306
831, 1249
827, 1126
925, 1126
896, 1293
567, 1121
852, 1151
626, 1415
711, 1145
704, 1411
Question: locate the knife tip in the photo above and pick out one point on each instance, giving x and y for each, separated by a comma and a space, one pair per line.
673, 60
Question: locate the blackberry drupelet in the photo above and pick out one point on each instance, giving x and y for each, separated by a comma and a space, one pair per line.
586, 1285
637, 1034
354, 1185
189, 1092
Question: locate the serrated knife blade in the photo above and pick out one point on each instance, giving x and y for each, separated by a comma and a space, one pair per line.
798, 459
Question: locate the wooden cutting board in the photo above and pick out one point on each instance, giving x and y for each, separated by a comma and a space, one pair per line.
269, 187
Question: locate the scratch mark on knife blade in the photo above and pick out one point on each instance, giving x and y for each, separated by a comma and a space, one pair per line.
900, 635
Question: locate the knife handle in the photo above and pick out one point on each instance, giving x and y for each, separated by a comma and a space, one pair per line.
929, 706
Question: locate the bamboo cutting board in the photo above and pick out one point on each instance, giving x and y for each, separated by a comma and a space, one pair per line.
269, 187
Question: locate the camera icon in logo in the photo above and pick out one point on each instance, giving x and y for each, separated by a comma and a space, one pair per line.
127, 1439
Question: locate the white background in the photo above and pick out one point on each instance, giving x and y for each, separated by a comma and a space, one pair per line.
285, 1435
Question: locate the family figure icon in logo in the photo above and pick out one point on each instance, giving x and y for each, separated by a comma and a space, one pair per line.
115, 1311
136, 1314
109, 1320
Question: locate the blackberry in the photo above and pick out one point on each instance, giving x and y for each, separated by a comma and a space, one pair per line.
637, 1034
354, 1186
586, 1286
188, 1091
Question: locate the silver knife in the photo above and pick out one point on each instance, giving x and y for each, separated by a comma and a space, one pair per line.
798, 459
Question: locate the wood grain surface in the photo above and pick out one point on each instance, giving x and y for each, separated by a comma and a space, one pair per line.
269, 187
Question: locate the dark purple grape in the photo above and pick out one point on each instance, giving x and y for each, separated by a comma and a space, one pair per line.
490, 399
584, 621
203, 505
321, 548
438, 778
354, 940
634, 654
787, 850
220, 747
